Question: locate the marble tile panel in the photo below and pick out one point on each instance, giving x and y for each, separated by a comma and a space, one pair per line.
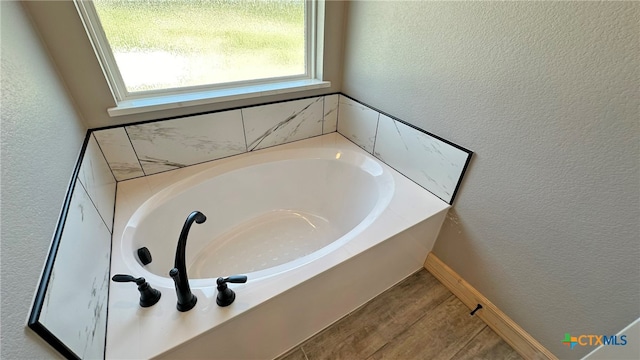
98, 181
75, 305
119, 152
357, 123
430, 162
330, 123
172, 144
284, 122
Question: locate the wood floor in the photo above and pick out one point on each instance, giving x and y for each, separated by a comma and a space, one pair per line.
416, 319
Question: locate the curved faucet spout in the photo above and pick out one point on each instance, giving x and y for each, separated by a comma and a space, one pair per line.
186, 300
180, 262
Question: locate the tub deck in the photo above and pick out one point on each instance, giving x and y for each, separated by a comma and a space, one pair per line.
272, 314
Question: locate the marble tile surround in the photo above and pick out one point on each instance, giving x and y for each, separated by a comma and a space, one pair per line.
75, 303
173, 144
330, 113
119, 153
138, 150
357, 123
133, 151
95, 175
284, 122
434, 164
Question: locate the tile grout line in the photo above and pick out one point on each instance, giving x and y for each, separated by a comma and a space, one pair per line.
462, 344
94, 205
353, 313
304, 353
134, 150
468, 342
379, 349
408, 327
472, 337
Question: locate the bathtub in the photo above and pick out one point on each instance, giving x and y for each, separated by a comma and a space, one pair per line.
319, 226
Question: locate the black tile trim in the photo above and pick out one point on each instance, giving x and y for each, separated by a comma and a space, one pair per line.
38, 302
56, 343
410, 125
469, 152
462, 173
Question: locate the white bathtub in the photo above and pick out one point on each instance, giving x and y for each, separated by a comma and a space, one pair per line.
319, 226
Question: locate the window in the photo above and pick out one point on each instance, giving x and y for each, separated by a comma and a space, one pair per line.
156, 53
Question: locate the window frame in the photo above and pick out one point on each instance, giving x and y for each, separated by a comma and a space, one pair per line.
160, 99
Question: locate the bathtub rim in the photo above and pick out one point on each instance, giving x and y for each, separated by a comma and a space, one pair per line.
382, 178
134, 332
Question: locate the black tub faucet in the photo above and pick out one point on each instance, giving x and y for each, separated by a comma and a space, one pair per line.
186, 299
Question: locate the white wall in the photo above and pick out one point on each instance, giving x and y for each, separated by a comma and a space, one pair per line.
546, 94
41, 139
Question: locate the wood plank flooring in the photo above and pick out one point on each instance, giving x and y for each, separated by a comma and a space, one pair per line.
416, 319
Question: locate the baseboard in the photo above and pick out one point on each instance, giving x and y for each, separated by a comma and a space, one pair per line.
508, 330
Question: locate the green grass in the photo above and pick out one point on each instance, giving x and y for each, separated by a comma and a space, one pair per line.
270, 30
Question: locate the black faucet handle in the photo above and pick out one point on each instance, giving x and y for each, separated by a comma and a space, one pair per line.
236, 279
128, 278
148, 295
226, 296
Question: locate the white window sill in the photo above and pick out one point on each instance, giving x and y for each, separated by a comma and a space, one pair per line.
165, 102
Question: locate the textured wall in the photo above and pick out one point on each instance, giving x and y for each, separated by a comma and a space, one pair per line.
41, 138
546, 94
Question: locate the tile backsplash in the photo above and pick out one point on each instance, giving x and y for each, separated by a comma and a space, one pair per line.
144, 149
